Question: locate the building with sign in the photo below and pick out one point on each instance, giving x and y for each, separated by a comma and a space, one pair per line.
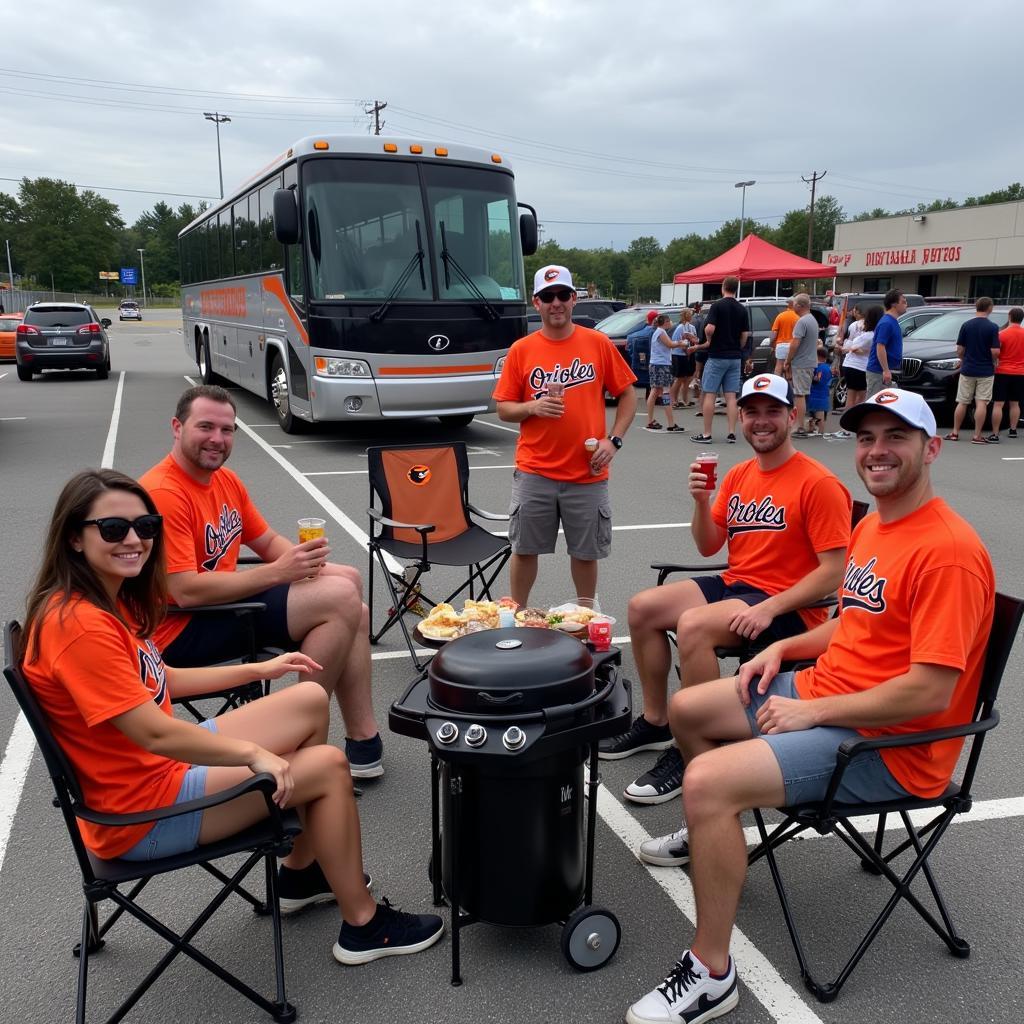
978, 250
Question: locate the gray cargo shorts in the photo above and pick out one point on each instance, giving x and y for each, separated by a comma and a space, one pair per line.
538, 505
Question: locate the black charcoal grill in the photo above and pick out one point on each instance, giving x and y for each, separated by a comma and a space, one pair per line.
511, 716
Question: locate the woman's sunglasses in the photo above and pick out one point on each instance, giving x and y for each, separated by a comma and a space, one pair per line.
114, 528
563, 295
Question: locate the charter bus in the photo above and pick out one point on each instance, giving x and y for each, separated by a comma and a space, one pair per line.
361, 279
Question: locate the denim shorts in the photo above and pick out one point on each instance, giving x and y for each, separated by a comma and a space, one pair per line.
180, 834
808, 757
721, 373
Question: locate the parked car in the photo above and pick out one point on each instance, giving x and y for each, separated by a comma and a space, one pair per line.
762, 313
918, 316
930, 365
9, 323
62, 336
597, 308
625, 321
129, 310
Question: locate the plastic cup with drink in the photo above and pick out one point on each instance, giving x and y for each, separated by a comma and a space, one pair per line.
556, 389
590, 445
707, 463
599, 632
311, 529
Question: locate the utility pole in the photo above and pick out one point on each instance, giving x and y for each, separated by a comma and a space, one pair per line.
218, 119
812, 181
375, 110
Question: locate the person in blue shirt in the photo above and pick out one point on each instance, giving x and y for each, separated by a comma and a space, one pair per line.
638, 351
819, 399
977, 345
887, 350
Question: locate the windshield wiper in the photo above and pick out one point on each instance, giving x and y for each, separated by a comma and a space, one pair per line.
416, 260
450, 261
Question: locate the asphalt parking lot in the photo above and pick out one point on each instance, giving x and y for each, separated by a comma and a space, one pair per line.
63, 422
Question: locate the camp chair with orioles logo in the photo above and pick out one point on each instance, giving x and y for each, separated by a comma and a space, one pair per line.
420, 514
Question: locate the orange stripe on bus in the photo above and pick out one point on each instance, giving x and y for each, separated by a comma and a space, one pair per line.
421, 371
273, 284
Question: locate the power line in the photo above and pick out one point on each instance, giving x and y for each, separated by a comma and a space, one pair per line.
113, 188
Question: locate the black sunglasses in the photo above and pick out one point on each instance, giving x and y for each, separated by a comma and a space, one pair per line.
114, 528
563, 295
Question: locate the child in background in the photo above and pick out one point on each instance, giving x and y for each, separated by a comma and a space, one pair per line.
818, 399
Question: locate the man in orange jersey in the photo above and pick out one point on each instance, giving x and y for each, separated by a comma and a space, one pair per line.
553, 385
312, 604
898, 658
785, 521
1009, 384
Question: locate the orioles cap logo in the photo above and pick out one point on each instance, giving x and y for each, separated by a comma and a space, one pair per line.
550, 275
761, 383
419, 475
886, 397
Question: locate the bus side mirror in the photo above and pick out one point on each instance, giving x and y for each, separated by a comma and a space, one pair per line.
286, 216
528, 230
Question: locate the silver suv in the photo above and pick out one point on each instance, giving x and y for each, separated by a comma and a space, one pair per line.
62, 336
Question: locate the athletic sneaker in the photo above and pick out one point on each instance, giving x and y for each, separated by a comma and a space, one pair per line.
1013, 433
730, 438
297, 889
671, 851
390, 932
690, 993
842, 435
641, 736
663, 782
701, 438
365, 757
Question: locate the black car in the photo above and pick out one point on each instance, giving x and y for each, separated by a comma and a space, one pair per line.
930, 365
62, 336
762, 313
598, 309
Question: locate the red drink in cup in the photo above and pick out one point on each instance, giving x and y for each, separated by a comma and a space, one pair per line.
707, 463
599, 632
556, 389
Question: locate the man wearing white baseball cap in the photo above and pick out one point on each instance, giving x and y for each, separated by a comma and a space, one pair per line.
893, 660
553, 384
784, 519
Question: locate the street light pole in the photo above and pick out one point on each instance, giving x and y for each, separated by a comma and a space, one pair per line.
142, 264
218, 119
743, 203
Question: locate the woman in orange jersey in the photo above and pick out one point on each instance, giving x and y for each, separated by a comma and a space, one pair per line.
106, 691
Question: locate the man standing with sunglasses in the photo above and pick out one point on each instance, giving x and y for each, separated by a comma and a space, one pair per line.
553, 385
311, 604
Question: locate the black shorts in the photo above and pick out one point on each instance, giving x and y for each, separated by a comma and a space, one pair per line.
209, 639
715, 589
1008, 387
682, 366
855, 379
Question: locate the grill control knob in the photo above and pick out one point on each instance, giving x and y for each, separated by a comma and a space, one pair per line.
476, 735
514, 738
447, 733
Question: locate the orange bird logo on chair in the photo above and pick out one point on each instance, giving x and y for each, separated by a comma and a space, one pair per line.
419, 475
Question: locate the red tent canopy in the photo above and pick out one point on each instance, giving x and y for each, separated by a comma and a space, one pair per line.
754, 259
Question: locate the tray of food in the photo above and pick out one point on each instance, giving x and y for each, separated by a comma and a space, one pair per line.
444, 623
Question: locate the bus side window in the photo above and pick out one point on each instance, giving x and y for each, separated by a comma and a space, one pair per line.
271, 250
296, 285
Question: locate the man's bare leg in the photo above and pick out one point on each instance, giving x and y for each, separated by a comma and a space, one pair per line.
584, 576
522, 576
707, 410
731, 411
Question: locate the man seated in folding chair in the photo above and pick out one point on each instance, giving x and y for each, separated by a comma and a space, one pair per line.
312, 604
105, 690
905, 654
785, 520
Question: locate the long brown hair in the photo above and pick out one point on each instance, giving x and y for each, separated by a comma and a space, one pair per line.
65, 573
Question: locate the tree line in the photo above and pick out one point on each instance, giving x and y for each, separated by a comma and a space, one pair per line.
56, 229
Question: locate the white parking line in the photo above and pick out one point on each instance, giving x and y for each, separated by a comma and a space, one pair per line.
497, 426
10, 419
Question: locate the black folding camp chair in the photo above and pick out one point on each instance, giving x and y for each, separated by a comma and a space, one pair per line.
103, 879
747, 648
832, 818
424, 518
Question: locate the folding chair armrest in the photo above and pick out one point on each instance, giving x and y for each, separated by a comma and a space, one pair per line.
263, 783
249, 560
849, 749
238, 607
665, 569
497, 517
422, 528
825, 602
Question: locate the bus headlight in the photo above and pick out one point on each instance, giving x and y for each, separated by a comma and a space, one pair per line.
499, 366
326, 367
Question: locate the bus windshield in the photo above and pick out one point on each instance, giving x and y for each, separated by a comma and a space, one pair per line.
365, 226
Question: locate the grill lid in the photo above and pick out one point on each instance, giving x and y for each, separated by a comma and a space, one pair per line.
509, 671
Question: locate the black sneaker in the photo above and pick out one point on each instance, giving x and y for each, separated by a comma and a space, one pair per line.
730, 438
365, 757
663, 782
390, 932
641, 736
299, 889
1013, 433
701, 438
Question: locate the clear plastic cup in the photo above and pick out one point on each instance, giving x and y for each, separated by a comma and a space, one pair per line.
311, 529
707, 463
556, 389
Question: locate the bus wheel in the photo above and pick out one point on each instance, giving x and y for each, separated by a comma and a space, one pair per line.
206, 374
281, 397
462, 420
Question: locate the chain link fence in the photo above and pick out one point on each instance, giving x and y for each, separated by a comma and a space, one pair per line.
16, 300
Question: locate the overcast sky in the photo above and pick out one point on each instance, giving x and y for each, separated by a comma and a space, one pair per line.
620, 118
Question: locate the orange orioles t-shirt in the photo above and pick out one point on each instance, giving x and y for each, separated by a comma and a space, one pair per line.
779, 521
89, 669
588, 364
204, 526
920, 590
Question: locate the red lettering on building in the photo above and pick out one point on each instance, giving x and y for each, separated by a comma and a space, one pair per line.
906, 257
228, 302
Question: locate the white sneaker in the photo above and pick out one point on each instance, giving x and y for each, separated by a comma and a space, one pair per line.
671, 851
689, 994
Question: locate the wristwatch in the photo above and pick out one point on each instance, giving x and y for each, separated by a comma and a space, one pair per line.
617, 441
